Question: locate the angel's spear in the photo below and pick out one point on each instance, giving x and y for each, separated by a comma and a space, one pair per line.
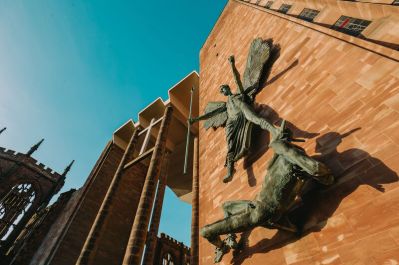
188, 132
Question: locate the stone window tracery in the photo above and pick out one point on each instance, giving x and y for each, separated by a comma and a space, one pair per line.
13, 207
168, 259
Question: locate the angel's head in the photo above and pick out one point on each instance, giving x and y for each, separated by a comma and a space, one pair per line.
225, 90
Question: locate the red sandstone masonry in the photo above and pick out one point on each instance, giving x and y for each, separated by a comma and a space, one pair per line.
41, 222
336, 86
15, 169
70, 247
156, 214
90, 247
59, 229
115, 234
168, 245
138, 234
195, 207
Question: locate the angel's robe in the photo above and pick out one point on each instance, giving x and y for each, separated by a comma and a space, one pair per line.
238, 128
232, 114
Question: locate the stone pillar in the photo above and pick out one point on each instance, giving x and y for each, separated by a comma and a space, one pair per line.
195, 206
138, 234
87, 250
156, 215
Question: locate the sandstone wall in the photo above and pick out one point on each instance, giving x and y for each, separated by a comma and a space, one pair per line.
339, 92
38, 228
112, 241
68, 239
68, 235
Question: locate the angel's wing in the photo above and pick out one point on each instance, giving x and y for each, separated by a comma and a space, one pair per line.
219, 117
258, 55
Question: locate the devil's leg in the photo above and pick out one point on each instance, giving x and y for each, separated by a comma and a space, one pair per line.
235, 207
242, 216
239, 222
231, 208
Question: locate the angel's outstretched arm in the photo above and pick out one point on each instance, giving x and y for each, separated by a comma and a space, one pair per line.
236, 74
250, 115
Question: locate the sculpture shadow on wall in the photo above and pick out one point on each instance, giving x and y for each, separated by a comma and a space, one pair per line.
352, 168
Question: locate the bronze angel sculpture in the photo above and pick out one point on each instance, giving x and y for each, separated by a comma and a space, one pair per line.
237, 115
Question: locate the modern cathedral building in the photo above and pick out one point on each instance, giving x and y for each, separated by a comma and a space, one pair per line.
332, 76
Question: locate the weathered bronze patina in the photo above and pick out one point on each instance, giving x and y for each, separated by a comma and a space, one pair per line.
237, 114
287, 172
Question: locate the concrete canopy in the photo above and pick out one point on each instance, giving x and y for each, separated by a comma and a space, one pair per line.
179, 98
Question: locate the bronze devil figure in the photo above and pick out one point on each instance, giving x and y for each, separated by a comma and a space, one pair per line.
282, 188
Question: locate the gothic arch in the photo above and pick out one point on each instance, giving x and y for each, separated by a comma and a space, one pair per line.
25, 187
15, 205
168, 259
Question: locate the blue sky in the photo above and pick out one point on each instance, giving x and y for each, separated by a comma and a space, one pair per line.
73, 71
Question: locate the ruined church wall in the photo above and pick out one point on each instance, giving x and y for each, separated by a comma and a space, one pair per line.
325, 85
67, 236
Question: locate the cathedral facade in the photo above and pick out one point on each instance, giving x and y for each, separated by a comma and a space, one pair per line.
334, 80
